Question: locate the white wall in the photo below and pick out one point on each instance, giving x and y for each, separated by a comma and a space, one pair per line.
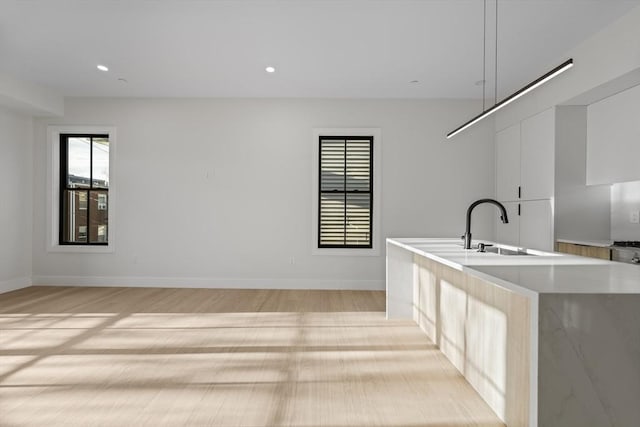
582, 212
16, 151
606, 56
29, 98
625, 198
217, 192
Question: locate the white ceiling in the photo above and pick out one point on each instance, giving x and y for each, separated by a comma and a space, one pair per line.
329, 48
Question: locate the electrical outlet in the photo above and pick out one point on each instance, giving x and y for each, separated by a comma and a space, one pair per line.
634, 217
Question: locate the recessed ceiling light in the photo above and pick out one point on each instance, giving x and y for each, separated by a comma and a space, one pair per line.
121, 80
414, 82
102, 67
270, 70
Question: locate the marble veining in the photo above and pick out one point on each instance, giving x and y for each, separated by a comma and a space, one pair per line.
589, 360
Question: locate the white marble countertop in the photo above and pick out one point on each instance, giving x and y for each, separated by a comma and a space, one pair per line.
551, 272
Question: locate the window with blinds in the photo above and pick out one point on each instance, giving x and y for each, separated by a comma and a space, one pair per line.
346, 192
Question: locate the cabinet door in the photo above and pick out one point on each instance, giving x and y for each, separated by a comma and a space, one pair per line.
537, 156
585, 250
612, 138
509, 234
508, 163
536, 225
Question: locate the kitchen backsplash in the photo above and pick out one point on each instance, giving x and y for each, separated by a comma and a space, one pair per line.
625, 200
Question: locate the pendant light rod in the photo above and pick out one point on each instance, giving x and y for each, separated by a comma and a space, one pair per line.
508, 100
495, 69
484, 56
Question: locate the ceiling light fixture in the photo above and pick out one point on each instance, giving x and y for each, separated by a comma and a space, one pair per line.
102, 67
509, 99
517, 94
270, 70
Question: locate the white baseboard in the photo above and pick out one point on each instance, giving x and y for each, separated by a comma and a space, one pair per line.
14, 284
209, 283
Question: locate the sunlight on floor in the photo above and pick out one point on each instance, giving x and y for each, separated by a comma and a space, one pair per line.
349, 368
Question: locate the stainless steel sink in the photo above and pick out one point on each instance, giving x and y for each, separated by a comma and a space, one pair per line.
504, 251
508, 250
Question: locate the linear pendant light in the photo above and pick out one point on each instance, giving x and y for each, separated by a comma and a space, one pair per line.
509, 99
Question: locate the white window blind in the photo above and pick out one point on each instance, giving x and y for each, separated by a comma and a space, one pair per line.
346, 192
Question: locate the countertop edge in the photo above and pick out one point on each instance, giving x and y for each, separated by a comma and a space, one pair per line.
546, 273
467, 269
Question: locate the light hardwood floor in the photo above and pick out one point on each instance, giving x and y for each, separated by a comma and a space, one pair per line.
195, 357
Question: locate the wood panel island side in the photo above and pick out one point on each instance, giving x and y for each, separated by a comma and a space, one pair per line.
546, 340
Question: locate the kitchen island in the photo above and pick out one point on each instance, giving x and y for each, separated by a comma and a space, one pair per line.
546, 339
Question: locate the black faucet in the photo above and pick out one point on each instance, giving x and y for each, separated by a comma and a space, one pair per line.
467, 233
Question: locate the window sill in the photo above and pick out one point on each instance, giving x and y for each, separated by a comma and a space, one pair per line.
80, 249
345, 252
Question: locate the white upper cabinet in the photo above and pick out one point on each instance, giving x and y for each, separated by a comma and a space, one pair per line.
613, 138
525, 159
525, 180
508, 163
537, 156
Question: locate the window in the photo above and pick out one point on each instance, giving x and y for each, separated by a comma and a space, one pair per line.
354, 212
84, 189
82, 201
82, 233
102, 233
80, 165
345, 193
102, 202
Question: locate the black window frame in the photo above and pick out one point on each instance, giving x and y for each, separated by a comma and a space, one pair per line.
64, 179
320, 245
